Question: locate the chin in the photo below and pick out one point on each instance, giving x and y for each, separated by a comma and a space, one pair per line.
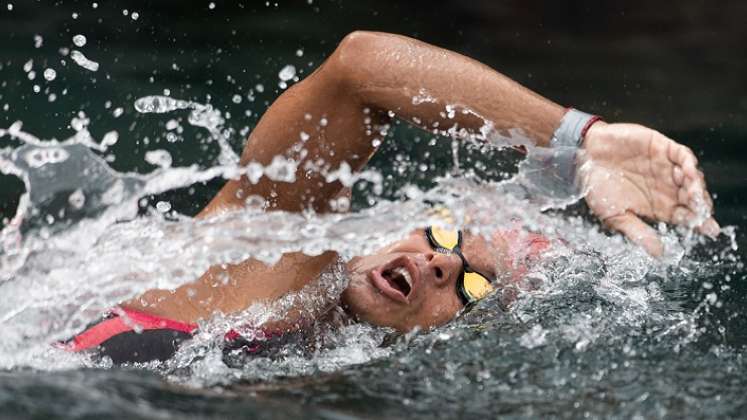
358, 298
366, 304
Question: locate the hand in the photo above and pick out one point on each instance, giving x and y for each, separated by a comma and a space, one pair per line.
633, 172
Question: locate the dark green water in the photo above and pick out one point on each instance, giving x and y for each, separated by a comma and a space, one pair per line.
680, 70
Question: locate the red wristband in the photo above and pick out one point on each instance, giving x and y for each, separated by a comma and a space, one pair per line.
588, 125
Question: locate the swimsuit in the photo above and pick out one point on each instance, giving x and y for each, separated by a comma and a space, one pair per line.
129, 336
134, 337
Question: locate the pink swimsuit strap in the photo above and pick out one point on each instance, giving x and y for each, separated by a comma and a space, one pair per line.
124, 320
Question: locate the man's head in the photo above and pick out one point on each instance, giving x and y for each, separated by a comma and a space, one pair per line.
409, 283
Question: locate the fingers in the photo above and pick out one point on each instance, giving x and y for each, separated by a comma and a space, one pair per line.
710, 227
694, 195
678, 176
682, 215
637, 231
688, 177
693, 198
683, 157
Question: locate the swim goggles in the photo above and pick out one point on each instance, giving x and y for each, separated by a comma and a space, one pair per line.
471, 285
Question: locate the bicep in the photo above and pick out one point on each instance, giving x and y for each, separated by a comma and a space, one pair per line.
310, 130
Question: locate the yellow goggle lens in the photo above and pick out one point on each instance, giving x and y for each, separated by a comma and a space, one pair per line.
476, 285
445, 238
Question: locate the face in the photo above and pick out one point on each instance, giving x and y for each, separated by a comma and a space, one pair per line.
409, 284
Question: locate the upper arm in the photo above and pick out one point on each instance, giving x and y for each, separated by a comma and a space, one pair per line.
315, 126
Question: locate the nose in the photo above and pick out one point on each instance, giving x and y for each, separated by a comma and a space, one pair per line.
443, 268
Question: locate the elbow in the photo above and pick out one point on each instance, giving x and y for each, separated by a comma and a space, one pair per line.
359, 42
349, 63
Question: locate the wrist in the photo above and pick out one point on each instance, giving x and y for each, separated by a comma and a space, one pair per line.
594, 136
551, 172
573, 128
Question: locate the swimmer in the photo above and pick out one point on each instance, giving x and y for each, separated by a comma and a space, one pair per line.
426, 279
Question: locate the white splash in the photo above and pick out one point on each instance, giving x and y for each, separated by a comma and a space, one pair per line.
204, 116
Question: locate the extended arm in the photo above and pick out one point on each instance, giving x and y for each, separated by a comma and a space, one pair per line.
336, 114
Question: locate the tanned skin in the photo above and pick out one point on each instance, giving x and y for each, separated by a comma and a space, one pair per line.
334, 116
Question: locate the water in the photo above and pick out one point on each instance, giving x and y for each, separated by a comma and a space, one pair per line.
609, 332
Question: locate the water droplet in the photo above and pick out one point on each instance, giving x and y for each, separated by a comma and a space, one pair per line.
211, 6
160, 158
28, 66
77, 199
163, 206
15, 128
160, 104
287, 73
75, 15
255, 202
236, 99
39, 157
118, 112
50, 74
38, 41
80, 122
259, 87
254, 172
37, 89
82, 61
135, 15
110, 139
79, 40
10, 6
299, 52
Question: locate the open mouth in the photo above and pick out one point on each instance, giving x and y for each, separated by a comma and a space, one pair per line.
399, 278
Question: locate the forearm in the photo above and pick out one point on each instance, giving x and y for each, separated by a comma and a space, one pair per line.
418, 81
232, 288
